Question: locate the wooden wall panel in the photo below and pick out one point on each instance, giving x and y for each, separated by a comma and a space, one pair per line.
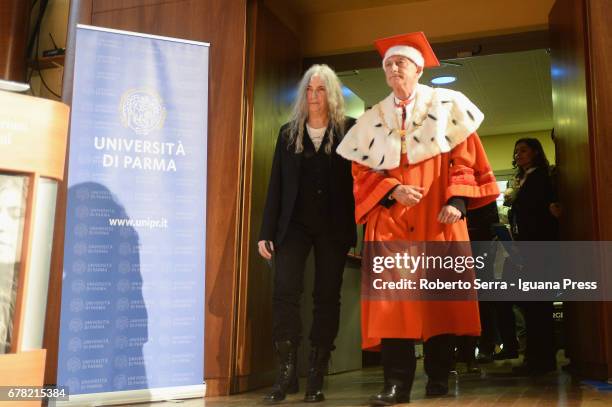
600, 84
275, 61
100, 6
222, 24
570, 118
580, 57
14, 19
568, 53
80, 12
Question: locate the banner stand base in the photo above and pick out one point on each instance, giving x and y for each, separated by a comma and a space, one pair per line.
135, 396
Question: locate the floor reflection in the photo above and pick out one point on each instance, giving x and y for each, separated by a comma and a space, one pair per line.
492, 387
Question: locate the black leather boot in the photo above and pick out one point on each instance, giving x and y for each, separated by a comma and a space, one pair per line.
398, 383
318, 360
286, 381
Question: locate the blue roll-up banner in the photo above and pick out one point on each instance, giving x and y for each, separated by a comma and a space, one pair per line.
132, 315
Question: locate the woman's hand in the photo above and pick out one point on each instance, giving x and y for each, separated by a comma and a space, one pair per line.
449, 215
263, 250
408, 195
555, 209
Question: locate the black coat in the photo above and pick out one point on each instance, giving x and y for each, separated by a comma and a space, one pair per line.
480, 222
283, 190
530, 213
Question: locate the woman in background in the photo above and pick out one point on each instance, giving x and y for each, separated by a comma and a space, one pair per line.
531, 220
309, 206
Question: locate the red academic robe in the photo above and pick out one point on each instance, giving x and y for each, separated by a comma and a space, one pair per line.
464, 171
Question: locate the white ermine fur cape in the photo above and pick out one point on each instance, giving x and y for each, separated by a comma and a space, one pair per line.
440, 120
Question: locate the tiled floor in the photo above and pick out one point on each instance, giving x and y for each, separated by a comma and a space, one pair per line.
493, 387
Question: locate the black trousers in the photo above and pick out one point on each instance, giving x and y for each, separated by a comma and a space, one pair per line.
466, 348
399, 361
540, 351
506, 323
488, 322
290, 260
488, 337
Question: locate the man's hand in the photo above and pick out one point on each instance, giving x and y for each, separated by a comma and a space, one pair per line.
263, 250
449, 215
408, 195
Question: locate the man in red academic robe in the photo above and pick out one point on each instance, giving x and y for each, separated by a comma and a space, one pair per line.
418, 164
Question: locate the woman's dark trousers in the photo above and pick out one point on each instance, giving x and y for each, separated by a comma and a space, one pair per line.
290, 260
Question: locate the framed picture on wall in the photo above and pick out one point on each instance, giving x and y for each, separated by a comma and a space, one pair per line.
13, 201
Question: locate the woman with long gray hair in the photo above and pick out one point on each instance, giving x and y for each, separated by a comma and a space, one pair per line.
309, 206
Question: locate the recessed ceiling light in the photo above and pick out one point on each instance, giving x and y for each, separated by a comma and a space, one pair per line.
443, 80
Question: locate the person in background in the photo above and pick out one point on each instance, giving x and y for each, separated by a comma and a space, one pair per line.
309, 206
507, 321
510, 321
480, 228
532, 220
418, 164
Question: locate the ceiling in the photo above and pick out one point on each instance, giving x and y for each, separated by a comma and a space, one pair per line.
513, 90
302, 7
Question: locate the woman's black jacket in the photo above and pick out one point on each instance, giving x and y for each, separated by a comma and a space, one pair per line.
283, 191
530, 213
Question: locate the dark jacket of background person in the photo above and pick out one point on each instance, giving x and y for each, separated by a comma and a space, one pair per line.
285, 184
530, 214
480, 222
532, 221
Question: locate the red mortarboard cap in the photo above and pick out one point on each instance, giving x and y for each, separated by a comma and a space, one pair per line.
416, 40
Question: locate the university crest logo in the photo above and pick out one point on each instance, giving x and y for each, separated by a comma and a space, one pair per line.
142, 111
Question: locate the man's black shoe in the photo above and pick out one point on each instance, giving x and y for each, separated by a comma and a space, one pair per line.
391, 394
